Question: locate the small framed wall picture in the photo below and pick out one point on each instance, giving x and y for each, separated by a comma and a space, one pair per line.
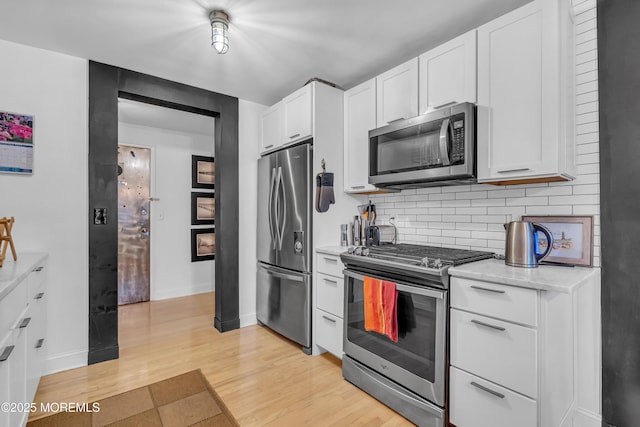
16, 143
203, 208
572, 238
203, 244
203, 172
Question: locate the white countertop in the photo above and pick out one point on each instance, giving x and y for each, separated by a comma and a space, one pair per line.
543, 277
13, 272
331, 250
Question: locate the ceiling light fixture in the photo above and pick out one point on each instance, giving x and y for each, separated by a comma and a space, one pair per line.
219, 30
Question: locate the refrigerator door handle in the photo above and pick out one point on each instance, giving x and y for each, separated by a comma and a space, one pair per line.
283, 275
284, 208
272, 186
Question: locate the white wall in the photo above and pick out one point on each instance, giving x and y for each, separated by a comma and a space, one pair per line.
249, 151
50, 206
172, 272
472, 216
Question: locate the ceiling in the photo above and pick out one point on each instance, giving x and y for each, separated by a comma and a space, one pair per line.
275, 45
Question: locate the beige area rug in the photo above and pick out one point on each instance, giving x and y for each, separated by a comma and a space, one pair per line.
185, 400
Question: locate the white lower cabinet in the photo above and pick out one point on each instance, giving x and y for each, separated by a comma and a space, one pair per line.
480, 403
329, 303
22, 335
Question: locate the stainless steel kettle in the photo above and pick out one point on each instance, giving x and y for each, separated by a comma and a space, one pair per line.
521, 244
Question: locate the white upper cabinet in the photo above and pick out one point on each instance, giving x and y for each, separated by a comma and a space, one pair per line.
271, 128
298, 115
397, 93
448, 73
359, 119
525, 105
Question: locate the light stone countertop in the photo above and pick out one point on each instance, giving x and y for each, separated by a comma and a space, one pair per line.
543, 277
331, 250
13, 272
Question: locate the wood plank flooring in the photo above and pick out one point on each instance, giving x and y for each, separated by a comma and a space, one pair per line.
264, 379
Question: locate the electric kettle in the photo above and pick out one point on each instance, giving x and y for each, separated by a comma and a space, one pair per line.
522, 244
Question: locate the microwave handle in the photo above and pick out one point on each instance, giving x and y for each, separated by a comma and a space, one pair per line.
444, 142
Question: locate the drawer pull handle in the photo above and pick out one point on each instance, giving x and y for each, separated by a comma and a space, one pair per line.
40, 343
6, 353
329, 319
294, 136
488, 390
495, 291
38, 268
25, 322
268, 146
335, 282
334, 260
498, 328
39, 296
357, 187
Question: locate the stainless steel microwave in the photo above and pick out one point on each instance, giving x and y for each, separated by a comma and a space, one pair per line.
437, 148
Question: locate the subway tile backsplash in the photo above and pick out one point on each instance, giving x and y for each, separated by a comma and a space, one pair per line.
472, 216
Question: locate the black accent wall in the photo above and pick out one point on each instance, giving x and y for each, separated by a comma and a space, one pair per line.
619, 106
106, 84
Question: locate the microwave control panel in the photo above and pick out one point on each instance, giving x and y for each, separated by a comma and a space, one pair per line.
457, 142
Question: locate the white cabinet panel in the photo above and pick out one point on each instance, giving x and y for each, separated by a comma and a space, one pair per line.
271, 128
329, 332
491, 299
448, 73
397, 93
523, 122
498, 351
298, 115
475, 402
330, 294
329, 264
359, 119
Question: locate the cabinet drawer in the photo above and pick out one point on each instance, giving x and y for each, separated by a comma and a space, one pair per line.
498, 351
329, 332
329, 264
36, 280
330, 294
504, 302
475, 402
11, 306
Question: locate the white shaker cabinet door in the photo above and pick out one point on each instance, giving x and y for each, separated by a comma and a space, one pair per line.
271, 128
359, 119
448, 73
298, 115
523, 120
397, 93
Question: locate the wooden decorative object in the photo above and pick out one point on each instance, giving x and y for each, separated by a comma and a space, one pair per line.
5, 238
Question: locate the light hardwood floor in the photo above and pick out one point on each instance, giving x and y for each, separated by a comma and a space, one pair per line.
264, 379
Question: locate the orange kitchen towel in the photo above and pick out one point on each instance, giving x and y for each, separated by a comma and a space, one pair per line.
390, 310
373, 320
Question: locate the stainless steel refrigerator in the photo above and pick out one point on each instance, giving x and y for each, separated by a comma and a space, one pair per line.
285, 200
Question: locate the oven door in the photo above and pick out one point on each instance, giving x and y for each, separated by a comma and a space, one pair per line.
418, 360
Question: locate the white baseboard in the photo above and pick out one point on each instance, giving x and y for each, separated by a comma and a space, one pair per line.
248, 320
585, 418
182, 291
65, 361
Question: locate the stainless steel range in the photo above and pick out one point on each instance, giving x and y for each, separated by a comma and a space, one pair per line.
409, 375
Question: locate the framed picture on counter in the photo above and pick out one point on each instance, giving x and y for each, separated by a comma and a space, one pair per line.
203, 244
203, 208
203, 172
572, 238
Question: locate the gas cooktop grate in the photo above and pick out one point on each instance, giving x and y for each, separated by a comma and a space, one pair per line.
403, 252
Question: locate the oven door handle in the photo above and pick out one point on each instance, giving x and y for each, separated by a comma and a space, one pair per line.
401, 287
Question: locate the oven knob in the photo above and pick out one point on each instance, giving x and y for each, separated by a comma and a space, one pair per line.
436, 263
365, 251
358, 250
425, 262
